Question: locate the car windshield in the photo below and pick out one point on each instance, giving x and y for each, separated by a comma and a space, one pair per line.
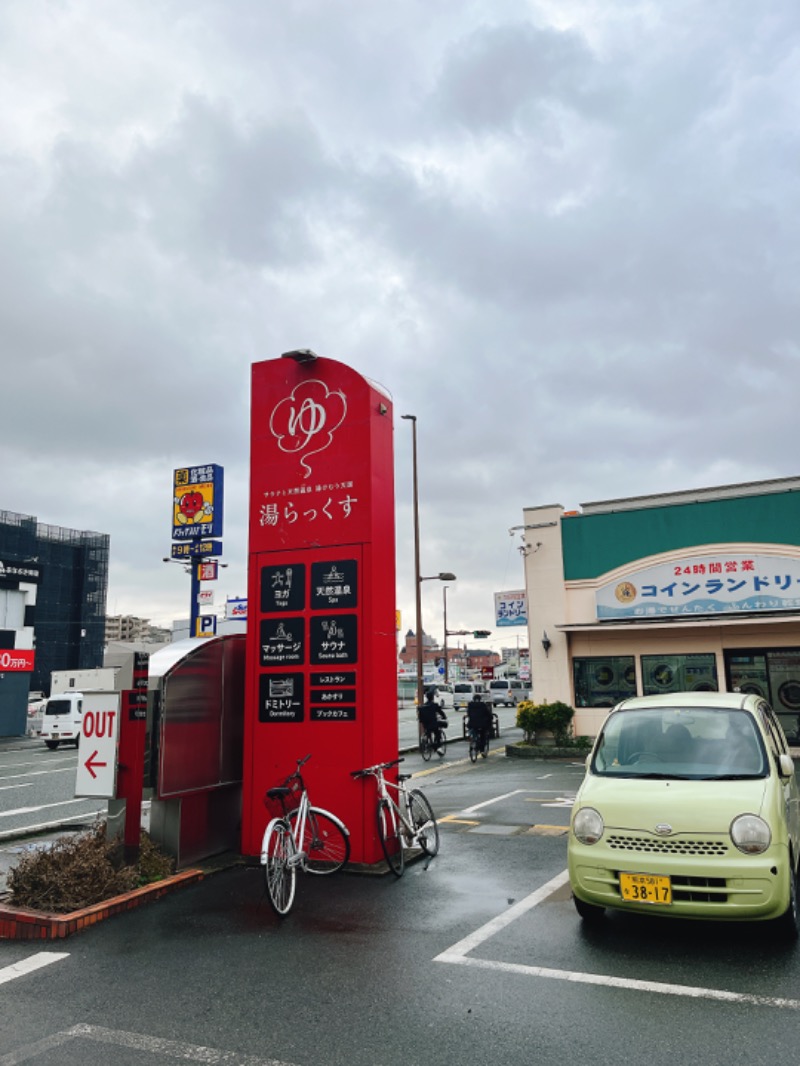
463, 688
688, 742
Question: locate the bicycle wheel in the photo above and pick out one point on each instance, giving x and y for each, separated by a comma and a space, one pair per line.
280, 876
326, 846
441, 743
391, 841
424, 821
473, 749
425, 747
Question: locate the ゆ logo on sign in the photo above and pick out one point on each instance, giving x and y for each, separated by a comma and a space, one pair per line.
304, 423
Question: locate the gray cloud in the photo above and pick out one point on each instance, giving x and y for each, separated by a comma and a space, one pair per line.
565, 236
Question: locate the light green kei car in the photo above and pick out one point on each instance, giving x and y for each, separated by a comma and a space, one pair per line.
689, 809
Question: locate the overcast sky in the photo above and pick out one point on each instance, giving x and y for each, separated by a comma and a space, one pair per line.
562, 233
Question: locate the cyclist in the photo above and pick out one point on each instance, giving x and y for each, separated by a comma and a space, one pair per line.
432, 718
479, 722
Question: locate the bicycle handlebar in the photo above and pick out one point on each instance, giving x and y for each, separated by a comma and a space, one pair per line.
295, 777
378, 766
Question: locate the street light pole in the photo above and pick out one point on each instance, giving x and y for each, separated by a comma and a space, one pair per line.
417, 581
446, 665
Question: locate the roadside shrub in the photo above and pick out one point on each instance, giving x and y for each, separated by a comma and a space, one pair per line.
526, 719
554, 717
76, 872
153, 864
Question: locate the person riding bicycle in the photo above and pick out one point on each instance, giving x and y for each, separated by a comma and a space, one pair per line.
479, 722
432, 717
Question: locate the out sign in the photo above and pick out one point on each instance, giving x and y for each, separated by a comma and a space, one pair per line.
97, 752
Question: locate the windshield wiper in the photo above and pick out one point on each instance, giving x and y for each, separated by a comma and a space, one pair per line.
651, 776
731, 777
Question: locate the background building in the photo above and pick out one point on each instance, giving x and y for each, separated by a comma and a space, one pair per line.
694, 590
127, 627
462, 660
53, 590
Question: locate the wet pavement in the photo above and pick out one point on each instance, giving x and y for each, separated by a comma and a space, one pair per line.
474, 956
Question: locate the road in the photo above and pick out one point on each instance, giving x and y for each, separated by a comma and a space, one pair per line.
475, 956
37, 788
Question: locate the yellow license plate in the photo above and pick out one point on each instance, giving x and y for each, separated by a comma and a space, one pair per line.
645, 888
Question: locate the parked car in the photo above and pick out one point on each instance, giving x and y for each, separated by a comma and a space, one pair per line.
507, 691
689, 809
464, 690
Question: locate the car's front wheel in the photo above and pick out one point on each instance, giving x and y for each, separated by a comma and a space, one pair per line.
590, 912
789, 921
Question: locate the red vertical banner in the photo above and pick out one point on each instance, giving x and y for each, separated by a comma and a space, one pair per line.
321, 674
130, 773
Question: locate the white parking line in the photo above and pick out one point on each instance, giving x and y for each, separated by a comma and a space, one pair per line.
508, 795
33, 962
459, 955
173, 1049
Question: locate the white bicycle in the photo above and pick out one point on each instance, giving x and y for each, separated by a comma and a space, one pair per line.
405, 820
304, 837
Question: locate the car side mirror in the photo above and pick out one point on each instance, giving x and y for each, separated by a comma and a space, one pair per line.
785, 765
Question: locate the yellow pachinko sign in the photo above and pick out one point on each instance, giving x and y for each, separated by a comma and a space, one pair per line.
197, 502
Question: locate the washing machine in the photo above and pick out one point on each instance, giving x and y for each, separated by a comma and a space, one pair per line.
784, 676
700, 675
610, 681
659, 676
752, 686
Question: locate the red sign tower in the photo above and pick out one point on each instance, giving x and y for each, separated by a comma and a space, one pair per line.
321, 653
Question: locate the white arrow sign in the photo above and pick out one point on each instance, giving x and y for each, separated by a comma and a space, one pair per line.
97, 751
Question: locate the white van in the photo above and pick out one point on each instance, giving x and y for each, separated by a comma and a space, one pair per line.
444, 694
507, 691
463, 691
61, 720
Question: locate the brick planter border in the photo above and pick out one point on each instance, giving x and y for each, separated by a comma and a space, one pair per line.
19, 923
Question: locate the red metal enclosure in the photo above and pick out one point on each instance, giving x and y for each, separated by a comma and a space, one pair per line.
321, 646
195, 744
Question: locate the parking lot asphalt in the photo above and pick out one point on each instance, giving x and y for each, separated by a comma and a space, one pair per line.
474, 956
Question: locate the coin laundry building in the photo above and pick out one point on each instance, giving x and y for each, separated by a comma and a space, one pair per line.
654, 594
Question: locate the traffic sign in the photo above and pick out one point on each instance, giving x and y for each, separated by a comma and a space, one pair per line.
97, 750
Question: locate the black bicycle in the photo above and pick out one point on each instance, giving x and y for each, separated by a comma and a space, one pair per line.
478, 744
433, 742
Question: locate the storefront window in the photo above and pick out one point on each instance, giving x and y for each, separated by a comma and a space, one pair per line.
603, 681
773, 674
679, 673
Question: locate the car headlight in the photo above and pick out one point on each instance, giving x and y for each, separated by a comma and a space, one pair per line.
587, 825
750, 834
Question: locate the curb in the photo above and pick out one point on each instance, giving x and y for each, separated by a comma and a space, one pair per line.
515, 751
19, 923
